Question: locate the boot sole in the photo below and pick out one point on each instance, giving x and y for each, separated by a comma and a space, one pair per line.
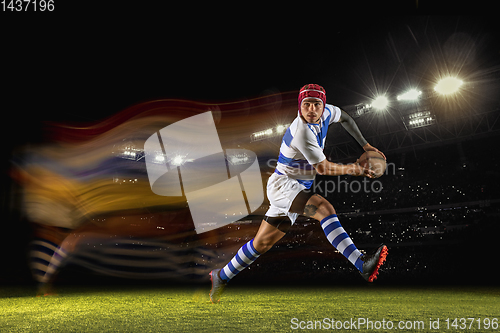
381, 260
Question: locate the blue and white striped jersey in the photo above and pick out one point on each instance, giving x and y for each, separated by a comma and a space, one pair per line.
303, 144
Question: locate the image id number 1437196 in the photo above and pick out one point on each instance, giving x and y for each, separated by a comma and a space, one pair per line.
469, 323
28, 5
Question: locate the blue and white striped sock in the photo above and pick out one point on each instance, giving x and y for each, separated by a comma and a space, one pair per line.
341, 240
56, 261
246, 255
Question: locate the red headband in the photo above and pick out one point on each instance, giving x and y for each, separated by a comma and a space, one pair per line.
312, 91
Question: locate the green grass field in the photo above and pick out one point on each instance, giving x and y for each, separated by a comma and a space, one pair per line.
247, 309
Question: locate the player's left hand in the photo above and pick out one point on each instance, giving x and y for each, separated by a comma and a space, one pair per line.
369, 147
358, 170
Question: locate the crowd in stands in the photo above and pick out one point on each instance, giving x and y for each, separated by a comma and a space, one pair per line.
444, 175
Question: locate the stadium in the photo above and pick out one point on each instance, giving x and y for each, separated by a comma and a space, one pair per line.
426, 95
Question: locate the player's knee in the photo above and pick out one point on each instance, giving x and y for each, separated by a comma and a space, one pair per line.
262, 246
318, 208
329, 209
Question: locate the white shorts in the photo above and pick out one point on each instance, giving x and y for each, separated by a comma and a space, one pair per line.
281, 191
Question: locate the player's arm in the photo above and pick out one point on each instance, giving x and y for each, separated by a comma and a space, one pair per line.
350, 126
328, 168
307, 144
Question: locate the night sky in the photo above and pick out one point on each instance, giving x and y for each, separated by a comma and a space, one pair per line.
87, 67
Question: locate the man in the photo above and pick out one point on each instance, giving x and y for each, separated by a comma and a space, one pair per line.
301, 158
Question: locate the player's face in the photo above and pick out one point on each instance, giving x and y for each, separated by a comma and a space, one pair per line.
311, 109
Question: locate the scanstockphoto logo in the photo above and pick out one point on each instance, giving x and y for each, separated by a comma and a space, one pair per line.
186, 159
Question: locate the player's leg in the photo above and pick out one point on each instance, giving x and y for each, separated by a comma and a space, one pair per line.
320, 209
270, 231
59, 259
266, 237
280, 191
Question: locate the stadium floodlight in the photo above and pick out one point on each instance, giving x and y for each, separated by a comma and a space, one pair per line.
380, 103
421, 119
410, 95
178, 160
281, 128
270, 132
448, 85
239, 159
262, 134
